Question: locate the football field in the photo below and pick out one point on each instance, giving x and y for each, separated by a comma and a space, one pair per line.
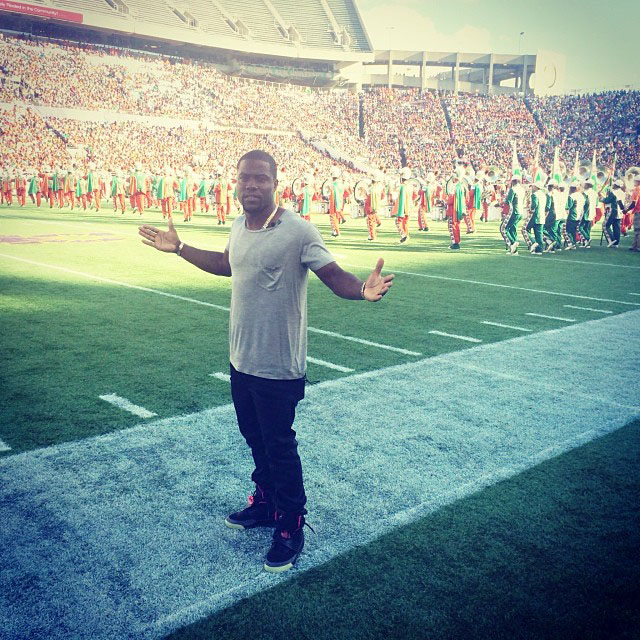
476, 428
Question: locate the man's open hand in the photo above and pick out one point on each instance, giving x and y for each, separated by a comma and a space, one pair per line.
166, 241
377, 285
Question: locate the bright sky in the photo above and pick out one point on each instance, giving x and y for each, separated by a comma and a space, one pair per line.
599, 38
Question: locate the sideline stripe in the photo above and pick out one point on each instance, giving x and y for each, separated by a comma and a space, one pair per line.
571, 306
541, 315
503, 286
473, 447
123, 403
329, 365
324, 332
206, 304
225, 377
505, 326
453, 335
4, 446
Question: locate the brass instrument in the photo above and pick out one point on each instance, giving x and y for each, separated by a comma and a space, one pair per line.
493, 174
361, 190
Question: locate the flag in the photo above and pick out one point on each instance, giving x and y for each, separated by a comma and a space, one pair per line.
516, 170
555, 171
536, 170
576, 168
594, 175
608, 183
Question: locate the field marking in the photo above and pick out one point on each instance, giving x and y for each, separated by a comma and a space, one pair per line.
123, 403
571, 306
595, 264
191, 566
333, 334
4, 446
541, 315
206, 304
505, 326
329, 365
453, 335
225, 377
503, 286
634, 294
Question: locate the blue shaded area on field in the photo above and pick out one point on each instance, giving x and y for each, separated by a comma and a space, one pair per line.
121, 536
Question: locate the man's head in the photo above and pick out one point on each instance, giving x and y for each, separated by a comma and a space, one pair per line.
257, 181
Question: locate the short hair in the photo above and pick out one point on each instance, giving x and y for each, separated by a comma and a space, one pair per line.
258, 154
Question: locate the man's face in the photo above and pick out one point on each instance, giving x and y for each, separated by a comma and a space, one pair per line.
256, 185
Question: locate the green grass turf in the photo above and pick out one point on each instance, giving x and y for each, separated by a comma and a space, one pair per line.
550, 553
68, 339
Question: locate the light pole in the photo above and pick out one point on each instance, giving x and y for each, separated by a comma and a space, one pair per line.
520, 41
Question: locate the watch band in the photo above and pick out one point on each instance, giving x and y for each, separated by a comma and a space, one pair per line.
180, 247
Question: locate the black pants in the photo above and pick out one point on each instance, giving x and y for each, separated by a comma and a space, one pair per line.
613, 229
266, 410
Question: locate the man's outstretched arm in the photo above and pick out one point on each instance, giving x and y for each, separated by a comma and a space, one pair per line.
348, 286
213, 262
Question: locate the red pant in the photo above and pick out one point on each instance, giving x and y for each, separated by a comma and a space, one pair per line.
454, 229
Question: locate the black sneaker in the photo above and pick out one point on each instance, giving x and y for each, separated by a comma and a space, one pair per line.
288, 542
261, 512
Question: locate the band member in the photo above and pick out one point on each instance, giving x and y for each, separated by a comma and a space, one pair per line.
538, 207
515, 202
614, 203
20, 182
305, 198
474, 203
201, 193
634, 210
69, 188
550, 230
575, 205
372, 205
402, 205
118, 190
588, 212
93, 186
336, 202
456, 199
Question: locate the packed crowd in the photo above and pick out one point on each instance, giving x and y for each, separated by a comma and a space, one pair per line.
608, 123
400, 126
483, 128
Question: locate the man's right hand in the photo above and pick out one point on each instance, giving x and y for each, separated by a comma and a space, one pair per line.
166, 241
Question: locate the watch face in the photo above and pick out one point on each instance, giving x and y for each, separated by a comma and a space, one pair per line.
549, 75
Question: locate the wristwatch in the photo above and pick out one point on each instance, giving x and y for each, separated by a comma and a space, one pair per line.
180, 247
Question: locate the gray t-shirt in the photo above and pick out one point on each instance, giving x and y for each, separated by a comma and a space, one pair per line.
268, 322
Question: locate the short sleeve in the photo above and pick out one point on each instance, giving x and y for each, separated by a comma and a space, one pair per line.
314, 254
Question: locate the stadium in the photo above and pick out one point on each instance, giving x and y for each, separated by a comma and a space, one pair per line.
469, 443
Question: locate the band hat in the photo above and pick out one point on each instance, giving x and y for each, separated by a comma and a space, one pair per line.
405, 173
335, 172
552, 183
516, 178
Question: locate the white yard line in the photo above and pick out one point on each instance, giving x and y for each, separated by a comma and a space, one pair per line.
205, 304
333, 334
594, 264
123, 403
634, 294
329, 365
4, 446
453, 335
225, 377
501, 286
541, 315
571, 306
504, 326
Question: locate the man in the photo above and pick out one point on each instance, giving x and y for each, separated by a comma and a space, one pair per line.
474, 203
373, 204
550, 230
304, 199
455, 209
614, 202
269, 253
509, 226
402, 205
538, 207
588, 212
336, 202
575, 204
